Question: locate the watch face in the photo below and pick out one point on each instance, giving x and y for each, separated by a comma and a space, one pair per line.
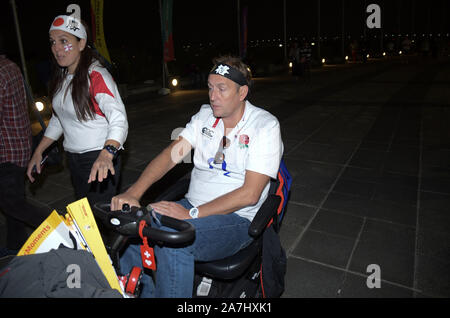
193, 213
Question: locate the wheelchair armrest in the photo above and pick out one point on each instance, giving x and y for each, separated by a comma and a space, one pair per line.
267, 210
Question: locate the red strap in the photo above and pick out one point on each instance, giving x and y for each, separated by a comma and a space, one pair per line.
133, 280
142, 224
262, 285
216, 122
147, 253
280, 194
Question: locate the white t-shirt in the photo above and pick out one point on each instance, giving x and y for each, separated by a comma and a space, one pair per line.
110, 120
255, 145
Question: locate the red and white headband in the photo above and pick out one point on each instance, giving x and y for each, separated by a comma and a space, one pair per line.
69, 24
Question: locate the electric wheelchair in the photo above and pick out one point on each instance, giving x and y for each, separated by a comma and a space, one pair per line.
236, 276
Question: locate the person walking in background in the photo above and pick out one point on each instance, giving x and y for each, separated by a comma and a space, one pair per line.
87, 110
305, 59
294, 56
15, 151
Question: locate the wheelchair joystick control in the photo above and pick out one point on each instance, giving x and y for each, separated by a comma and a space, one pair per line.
126, 222
125, 207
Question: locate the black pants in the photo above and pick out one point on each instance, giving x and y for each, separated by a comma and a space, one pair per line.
18, 211
80, 166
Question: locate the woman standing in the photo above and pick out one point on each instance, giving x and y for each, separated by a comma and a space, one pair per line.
87, 110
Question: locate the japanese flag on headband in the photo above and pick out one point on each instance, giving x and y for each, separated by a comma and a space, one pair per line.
69, 24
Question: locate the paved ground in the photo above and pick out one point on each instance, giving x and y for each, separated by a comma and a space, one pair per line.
369, 149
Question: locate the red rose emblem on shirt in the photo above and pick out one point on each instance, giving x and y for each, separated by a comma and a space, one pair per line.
243, 141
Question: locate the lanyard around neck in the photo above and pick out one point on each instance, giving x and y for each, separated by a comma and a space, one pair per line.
217, 122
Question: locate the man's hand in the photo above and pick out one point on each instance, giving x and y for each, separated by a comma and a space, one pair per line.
101, 166
119, 200
172, 209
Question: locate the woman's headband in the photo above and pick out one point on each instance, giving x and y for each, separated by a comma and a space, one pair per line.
229, 72
69, 24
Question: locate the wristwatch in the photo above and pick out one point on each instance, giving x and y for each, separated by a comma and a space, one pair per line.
111, 149
193, 213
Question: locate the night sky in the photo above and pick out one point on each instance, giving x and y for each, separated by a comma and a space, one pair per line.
132, 24
203, 29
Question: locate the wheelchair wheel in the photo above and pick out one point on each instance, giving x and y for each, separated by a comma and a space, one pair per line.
131, 282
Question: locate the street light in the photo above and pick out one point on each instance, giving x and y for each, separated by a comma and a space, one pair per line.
39, 106
174, 82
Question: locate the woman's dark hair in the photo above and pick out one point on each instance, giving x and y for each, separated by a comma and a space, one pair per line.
84, 107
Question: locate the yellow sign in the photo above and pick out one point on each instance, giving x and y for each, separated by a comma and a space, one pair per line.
81, 213
97, 32
50, 234
77, 230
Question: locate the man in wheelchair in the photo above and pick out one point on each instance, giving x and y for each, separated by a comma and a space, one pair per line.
237, 150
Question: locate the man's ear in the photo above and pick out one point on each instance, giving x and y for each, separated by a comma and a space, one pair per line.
243, 91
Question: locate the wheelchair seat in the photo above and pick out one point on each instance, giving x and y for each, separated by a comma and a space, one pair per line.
233, 266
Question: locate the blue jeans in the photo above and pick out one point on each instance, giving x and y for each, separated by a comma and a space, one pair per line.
216, 237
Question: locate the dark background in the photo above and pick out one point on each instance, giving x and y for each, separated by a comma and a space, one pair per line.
205, 28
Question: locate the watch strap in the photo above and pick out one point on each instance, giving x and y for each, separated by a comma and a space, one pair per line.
111, 149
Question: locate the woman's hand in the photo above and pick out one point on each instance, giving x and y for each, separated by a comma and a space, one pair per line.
172, 209
101, 166
35, 161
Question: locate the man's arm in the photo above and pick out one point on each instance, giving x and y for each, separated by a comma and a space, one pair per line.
154, 171
246, 195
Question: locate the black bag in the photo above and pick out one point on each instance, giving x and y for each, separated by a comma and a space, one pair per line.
274, 261
53, 153
274, 264
46, 275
